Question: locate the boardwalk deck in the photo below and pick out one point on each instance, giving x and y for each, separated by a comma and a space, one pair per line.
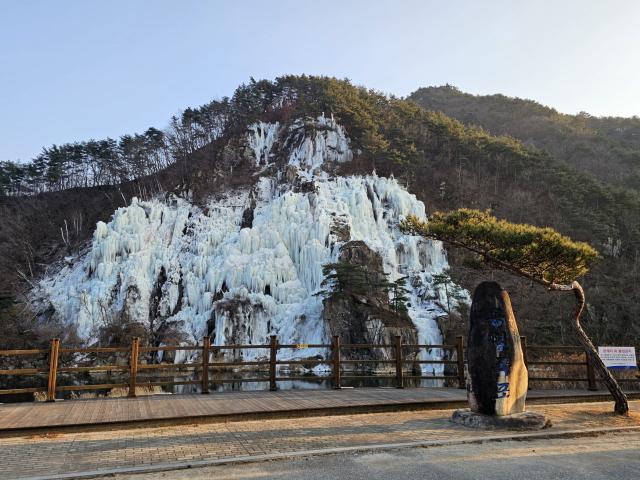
160, 410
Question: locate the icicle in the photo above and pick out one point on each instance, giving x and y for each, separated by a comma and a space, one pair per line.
270, 270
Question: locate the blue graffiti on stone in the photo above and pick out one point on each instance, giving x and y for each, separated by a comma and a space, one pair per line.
502, 366
499, 338
503, 390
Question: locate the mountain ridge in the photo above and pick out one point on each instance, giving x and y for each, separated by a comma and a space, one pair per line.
444, 162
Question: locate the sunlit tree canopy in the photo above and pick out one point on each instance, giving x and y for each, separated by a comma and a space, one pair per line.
540, 254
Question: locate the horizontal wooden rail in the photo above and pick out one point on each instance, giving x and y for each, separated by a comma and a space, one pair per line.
366, 345
441, 362
23, 371
106, 368
24, 390
556, 363
367, 361
23, 352
168, 349
238, 347
556, 347
270, 359
237, 364
557, 379
311, 378
304, 362
430, 346
92, 350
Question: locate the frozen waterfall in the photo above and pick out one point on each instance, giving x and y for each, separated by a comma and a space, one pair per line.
245, 284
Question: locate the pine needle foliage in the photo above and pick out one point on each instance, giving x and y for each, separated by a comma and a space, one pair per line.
344, 279
540, 254
341, 279
452, 291
400, 296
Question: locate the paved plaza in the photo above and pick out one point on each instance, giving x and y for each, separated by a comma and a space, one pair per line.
145, 449
163, 410
614, 457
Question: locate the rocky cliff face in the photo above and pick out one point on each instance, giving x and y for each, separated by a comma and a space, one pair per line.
244, 264
366, 319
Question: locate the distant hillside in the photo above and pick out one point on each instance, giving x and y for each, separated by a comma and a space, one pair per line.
608, 147
576, 173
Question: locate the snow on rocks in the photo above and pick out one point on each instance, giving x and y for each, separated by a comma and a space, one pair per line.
261, 140
312, 144
328, 143
241, 285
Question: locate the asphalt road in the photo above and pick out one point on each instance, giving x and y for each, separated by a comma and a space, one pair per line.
613, 456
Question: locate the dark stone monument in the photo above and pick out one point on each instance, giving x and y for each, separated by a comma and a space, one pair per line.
497, 379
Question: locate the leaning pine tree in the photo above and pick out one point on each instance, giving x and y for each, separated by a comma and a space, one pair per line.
540, 255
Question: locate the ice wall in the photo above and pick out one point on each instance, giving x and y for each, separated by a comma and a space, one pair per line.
327, 143
261, 139
248, 283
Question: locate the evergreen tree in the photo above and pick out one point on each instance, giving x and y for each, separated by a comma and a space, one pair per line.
400, 298
372, 144
452, 291
343, 279
540, 255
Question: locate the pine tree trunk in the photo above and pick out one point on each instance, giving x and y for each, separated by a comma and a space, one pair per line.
622, 405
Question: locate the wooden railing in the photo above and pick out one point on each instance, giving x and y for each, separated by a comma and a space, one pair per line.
335, 362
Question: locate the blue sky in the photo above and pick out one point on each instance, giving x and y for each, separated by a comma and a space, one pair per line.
76, 70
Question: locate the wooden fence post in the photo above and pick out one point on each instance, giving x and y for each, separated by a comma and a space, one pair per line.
399, 378
205, 364
525, 357
134, 367
273, 386
460, 352
336, 362
591, 375
53, 367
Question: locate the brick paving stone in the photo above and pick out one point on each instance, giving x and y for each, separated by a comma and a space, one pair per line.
90, 451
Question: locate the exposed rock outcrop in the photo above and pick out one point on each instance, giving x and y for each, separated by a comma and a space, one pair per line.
340, 228
366, 319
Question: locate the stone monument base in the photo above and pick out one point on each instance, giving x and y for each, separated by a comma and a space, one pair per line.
516, 421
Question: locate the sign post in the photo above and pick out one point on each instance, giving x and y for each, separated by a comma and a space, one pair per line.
618, 357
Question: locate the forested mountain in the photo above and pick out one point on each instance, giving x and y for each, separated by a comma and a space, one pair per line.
608, 147
598, 205
572, 173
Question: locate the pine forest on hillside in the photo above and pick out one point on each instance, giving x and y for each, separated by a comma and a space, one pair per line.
527, 163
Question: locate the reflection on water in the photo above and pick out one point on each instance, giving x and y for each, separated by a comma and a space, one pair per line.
307, 384
311, 381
